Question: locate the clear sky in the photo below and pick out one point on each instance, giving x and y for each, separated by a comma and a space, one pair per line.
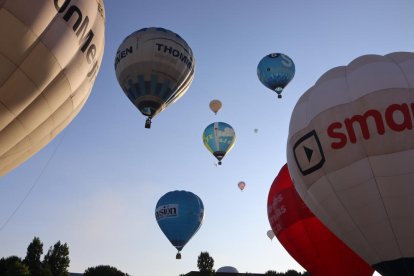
96, 185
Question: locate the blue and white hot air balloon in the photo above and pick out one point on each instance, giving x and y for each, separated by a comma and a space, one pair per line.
154, 67
179, 215
275, 71
219, 139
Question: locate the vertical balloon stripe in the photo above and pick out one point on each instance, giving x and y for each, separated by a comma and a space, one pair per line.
165, 90
216, 137
153, 85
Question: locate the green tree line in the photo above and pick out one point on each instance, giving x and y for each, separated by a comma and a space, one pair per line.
54, 263
205, 264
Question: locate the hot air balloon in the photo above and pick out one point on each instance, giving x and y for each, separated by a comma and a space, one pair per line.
306, 239
275, 71
50, 53
215, 106
179, 215
351, 153
228, 269
270, 234
241, 185
219, 139
154, 67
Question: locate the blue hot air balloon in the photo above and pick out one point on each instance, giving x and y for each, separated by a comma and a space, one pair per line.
275, 71
219, 139
179, 215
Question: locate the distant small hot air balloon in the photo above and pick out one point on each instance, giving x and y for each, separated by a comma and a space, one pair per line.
179, 214
241, 185
154, 67
303, 235
215, 106
50, 54
275, 71
270, 234
219, 139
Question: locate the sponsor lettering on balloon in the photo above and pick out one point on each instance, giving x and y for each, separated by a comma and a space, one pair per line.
175, 53
121, 54
166, 211
277, 210
80, 28
344, 132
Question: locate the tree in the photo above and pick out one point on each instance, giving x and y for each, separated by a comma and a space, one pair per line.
291, 272
273, 272
33, 255
205, 263
57, 258
103, 270
13, 266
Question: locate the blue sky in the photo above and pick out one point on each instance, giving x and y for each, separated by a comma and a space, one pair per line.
96, 185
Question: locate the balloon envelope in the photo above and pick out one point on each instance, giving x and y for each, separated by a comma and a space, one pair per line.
215, 106
50, 54
350, 152
154, 67
219, 139
227, 269
179, 214
275, 71
270, 234
241, 185
306, 239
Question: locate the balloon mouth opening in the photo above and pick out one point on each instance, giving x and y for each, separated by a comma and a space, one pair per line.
219, 155
148, 107
178, 256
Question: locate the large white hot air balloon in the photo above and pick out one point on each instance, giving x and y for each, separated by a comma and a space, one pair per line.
50, 53
154, 67
351, 154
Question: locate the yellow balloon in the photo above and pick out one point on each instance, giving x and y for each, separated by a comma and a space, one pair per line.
49, 58
215, 106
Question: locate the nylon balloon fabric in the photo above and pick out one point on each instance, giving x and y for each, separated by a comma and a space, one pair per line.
154, 67
179, 214
350, 153
49, 58
306, 239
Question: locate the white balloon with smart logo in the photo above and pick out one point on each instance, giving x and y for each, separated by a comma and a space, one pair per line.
350, 154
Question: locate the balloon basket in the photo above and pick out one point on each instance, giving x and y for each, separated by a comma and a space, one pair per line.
148, 123
219, 162
178, 256
279, 96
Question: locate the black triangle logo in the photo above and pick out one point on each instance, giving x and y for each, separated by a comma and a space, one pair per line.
308, 153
